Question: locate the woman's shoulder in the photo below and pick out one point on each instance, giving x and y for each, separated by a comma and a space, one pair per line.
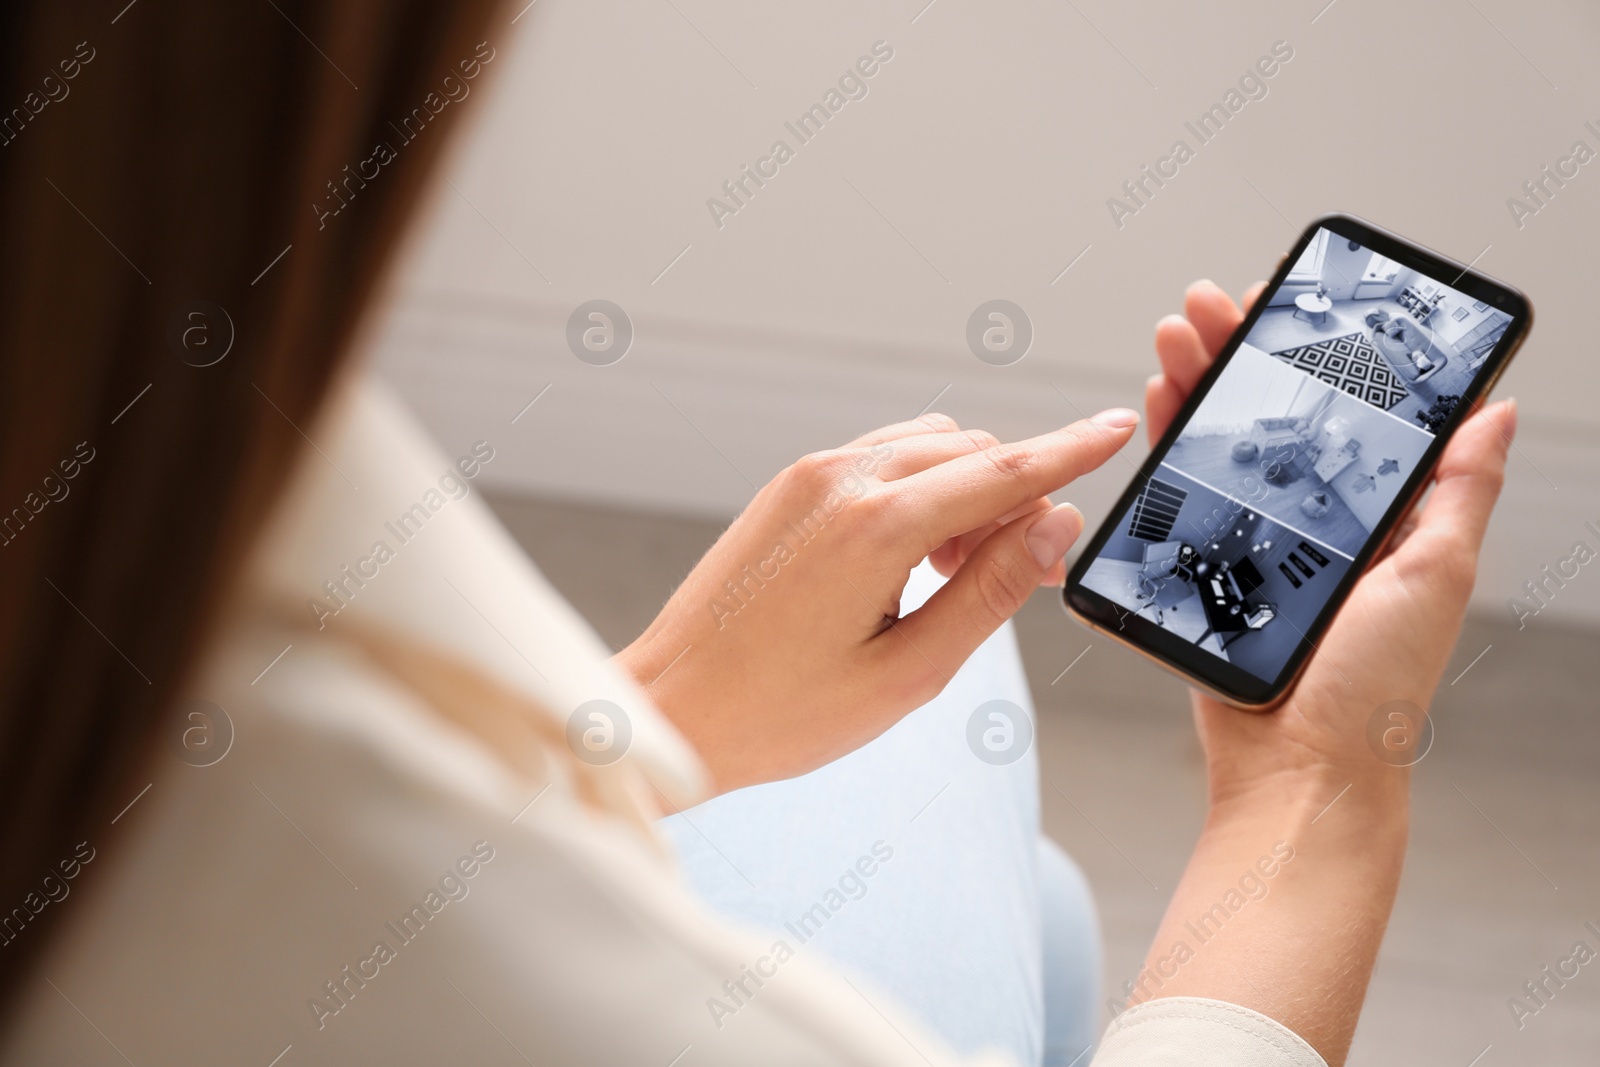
353, 878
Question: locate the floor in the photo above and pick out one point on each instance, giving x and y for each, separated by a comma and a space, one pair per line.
1263, 651
1176, 606
1209, 460
1280, 329
1504, 862
1225, 535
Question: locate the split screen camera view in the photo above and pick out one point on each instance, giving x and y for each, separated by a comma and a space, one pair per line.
1289, 463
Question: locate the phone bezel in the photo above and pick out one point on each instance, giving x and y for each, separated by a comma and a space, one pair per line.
1213, 674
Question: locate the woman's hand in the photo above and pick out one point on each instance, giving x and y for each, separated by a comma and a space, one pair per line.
1394, 635
784, 649
1304, 842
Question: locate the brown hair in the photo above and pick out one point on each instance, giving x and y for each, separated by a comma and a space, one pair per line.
178, 180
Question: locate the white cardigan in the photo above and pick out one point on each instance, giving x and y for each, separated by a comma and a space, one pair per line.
377, 869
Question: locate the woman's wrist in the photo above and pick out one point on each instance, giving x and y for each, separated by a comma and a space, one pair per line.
1254, 768
1377, 796
1286, 898
731, 756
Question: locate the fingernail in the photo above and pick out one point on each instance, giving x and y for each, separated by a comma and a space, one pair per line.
1050, 537
1116, 418
1511, 416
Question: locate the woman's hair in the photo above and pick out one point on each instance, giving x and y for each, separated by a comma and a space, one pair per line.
196, 202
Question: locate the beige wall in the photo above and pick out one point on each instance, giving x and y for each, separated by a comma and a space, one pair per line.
979, 165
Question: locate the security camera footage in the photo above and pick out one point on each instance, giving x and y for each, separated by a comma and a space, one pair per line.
1289, 463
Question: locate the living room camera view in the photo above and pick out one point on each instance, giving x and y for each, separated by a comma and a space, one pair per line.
1381, 332
1291, 460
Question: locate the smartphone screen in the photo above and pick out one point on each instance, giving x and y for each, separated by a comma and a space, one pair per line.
1256, 509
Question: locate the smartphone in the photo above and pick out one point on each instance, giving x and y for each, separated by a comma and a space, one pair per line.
1301, 449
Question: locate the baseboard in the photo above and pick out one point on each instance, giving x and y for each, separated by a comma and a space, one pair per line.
697, 415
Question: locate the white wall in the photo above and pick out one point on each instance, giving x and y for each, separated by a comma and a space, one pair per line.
1254, 386
1451, 330
979, 166
1342, 268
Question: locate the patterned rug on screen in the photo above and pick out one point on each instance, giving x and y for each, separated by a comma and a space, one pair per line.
1349, 363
